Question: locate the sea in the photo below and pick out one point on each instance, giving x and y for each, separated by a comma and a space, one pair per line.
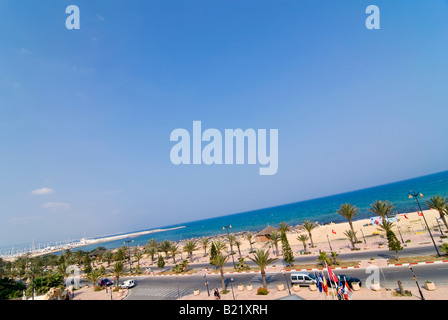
322, 210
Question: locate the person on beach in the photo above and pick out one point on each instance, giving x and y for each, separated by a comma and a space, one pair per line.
216, 294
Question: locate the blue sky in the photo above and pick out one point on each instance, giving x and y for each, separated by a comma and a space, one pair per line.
88, 113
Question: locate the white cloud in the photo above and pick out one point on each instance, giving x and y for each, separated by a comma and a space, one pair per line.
57, 206
42, 191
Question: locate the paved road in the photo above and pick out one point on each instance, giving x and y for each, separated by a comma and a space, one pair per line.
349, 256
173, 287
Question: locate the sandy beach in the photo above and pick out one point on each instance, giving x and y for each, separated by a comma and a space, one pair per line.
411, 226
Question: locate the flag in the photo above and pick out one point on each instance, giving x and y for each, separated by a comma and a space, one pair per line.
348, 293
341, 291
332, 230
324, 284
420, 213
332, 275
319, 284
406, 216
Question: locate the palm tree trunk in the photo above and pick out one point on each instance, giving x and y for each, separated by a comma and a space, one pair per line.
263, 276
353, 230
223, 283
311, 239
442, 215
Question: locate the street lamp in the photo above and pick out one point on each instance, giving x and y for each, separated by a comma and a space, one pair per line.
231, 285
286, 280
130, 264
331, 249
231, 247
440, 228
402, 241
416, 195
416, 282
206, 283
365, 242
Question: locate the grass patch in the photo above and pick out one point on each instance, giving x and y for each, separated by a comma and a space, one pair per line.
418, 259
171, 272
407, 293
318, 266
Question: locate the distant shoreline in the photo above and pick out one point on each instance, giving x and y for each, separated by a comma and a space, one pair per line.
87, 242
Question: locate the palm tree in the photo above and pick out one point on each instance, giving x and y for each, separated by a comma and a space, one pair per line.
93, 277
184, 265
108, 256
238, 244
120, 254
261, 259
151, 251
393, 243
284, 227
381, 208
204, 242
174, 249
231, 238
189, 247
444, 248
220, 261
349, 211
351, 236
219, 246
385, 226
335, 255
165, 247
34, 271
138, 255
249, 236
309, 226
275, 238
303, 238
441, 205
118, 271
323, 258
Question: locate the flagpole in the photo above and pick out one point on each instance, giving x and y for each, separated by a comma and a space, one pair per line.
325, 295
320, 285
329, 278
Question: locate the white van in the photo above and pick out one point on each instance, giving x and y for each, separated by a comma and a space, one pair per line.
304, 278
127, 284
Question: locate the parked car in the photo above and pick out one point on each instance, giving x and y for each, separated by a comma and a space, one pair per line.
304, 278
105, 282
349, 280
127, 284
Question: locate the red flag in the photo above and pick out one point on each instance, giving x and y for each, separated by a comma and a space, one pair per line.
347, 291
332, 230
420, 214
332, 275
324, 285
406, 216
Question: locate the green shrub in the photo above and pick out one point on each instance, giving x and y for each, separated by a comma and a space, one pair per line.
262, 291
10, 289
